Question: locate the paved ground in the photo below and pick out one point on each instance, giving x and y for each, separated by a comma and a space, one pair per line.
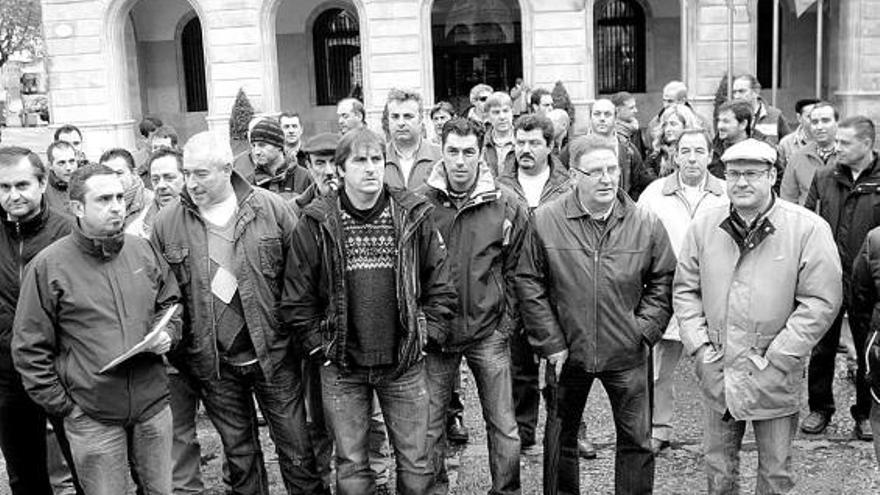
832, 463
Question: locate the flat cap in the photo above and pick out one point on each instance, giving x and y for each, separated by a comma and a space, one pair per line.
325, 142
751, 150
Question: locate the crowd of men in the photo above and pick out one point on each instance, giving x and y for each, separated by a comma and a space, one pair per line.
336, 283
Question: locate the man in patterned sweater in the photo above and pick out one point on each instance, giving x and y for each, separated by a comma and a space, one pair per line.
366, 288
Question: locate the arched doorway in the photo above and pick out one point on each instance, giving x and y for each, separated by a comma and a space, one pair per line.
475, 43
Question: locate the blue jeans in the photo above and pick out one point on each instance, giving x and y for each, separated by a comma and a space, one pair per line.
101, 453
489, 361
230, 406
348, 399
630, 405
722, 440
186, 453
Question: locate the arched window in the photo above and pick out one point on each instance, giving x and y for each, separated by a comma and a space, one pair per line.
620, 46
337, 43
194, 66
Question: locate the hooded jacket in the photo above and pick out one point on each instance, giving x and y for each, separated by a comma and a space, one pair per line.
761, 308
314, 307
19, 243
483, 238
263, 225
602, 295
84, 301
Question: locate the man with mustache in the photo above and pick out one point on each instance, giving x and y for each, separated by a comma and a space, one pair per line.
85, 300
139, 207
410, 157
227, 242
594, 285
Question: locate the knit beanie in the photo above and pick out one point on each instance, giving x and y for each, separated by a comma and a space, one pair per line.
268, 131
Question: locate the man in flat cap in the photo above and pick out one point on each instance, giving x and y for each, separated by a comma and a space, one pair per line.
322, 169
757, 285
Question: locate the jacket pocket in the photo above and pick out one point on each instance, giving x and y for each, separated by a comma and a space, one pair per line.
271, 257
177, 257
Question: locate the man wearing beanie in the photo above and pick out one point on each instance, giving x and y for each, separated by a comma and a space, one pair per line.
265, 166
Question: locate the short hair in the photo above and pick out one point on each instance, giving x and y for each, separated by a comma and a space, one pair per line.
479, 88
397, 94
803, 103
149, 125
498, 99
621, 97
66, 129
741, 110
209, 147
753, 81
117, 153
289, 115
166, 131
679, 88
77, 186
559, 116
584, 145
11, 156
355, 139
863, 126
535, 99
356, 106
530, 122
55, 146
463, 127
821, 104
696, 131
443, 106
162, 153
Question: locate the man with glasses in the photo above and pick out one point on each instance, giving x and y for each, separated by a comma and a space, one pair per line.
594, 284
757, 286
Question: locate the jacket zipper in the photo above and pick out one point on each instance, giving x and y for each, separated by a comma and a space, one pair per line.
596, 255
20, 252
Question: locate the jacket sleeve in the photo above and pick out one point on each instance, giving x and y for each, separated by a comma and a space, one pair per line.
687, 295
302, 308
789, 189
34, 345
863, 294
812, 200
642, 175
818, 296
167, 296
655, 305
532, 282
439, 299
515, 235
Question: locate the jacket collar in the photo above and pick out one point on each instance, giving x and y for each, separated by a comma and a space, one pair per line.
103, 248
240, 187
558, 174
573, 208
30, 226
712, 184
56, 183
423, 153
484, 189
843, 174
325, 209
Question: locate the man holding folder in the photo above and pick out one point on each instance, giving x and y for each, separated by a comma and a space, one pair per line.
85, 300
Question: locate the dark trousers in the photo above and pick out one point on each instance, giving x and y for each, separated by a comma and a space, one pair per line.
821, 371
628, 391
23, 439
526, 398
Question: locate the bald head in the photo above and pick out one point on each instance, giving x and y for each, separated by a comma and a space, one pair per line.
561, 122
674, 92
602, 117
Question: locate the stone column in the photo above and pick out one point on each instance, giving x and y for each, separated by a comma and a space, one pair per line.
858, 57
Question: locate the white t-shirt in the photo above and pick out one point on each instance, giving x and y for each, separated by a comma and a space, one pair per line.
406, 166
220, 213
692, 194
533, 186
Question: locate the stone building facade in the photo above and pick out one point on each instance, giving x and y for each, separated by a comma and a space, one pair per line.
112, 61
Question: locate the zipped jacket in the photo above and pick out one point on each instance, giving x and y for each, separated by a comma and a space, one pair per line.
263, 225
865, 307
484, 238
85, 301
602, 294
425, 157
19, 243
314, 306
558, 184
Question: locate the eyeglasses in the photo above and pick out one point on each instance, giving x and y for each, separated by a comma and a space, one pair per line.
599, 172
750, 175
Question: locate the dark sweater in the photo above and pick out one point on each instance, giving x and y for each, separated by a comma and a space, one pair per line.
370, 251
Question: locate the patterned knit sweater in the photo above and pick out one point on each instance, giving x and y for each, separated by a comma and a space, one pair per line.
370, 251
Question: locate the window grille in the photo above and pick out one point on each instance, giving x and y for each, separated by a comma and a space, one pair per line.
194, 66
337, 44
620, 46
